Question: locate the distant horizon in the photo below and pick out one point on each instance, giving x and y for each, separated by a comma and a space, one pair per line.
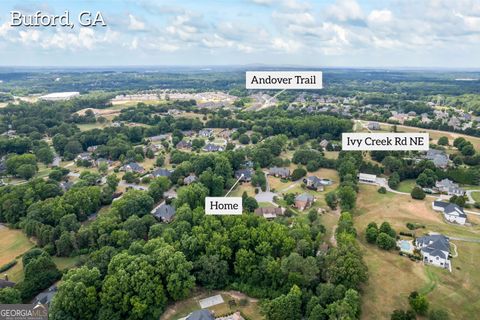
204, 67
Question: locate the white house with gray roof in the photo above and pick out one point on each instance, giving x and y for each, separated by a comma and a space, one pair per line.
449, 187
435, 250
451, 211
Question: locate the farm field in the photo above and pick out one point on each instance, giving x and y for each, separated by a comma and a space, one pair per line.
452, 291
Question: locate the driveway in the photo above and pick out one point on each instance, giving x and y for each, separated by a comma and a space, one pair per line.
267, 195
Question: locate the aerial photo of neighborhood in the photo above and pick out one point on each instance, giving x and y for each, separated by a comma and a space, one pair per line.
118, 128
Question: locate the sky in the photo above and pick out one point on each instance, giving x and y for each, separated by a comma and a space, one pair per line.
320, 33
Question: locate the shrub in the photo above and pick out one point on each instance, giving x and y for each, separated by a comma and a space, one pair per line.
417, 193
382, 190
385, 242
8, 266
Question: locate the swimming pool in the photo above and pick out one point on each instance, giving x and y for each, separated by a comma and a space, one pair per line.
405, 245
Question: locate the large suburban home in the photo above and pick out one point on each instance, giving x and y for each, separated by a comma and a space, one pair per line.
269, 212
160, 172
84, 156
212, 148
190, 179
438, 157
164, 212
133, 167
203, 314
367, 178
206, 133
184, 145
279, 172
244, 175
46, 296
449, 187
451, 211
316, 183
435, 250
304, 201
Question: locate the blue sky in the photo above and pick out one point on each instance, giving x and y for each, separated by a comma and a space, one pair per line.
390, 33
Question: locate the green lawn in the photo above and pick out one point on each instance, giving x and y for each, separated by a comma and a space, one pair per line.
476, 196
14, 244
457, 291
66, 263
406, 185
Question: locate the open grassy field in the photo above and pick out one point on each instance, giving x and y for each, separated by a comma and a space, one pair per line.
14, 244
458, 291
406, 185
240, 188
184, 308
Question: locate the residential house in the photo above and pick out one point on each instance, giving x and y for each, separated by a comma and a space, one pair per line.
367, 178
449, 187
244, 175
160, 137
84, 156
203, 314
451, 211
281, 172
314, 183
190, 179
206, 133
5, 283
133, 167
184, 145
374, 125
164, 212
10, 133
92, 148
324, 143
304, 201
116, 124
66, 185
435, 250
269, 212
438, 157
45, 297
212, 148
235, 316
160, 172
454, 122
188, 133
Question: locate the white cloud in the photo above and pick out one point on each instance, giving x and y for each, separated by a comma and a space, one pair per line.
29, 36
288, 45
135, 24
345, 10
380, 17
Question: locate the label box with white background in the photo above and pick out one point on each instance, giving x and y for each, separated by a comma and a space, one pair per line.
283, 80
223, 206
385, 141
